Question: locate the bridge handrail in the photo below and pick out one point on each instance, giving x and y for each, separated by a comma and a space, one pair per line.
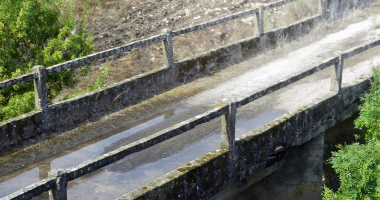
140, 43
215, 22
276, 4
62, 177
113, 156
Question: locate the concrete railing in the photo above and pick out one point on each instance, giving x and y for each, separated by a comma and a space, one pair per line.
93, 105
58, 179
166, 37
127, 92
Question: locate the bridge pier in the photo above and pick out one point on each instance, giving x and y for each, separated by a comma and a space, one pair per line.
298, 175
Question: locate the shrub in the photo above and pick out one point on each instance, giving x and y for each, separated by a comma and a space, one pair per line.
37, 32
358, 167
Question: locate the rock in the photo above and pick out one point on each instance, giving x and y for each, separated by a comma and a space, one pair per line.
187, 12
209, 11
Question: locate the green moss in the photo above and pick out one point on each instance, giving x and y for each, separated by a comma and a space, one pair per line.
181, 169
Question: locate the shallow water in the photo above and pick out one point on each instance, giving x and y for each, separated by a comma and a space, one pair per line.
111, 181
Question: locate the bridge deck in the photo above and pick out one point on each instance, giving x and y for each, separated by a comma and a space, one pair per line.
236, 82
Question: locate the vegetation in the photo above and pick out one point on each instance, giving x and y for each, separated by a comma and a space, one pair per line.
38, 32
300, 9
358, 165
369, 118
100, 82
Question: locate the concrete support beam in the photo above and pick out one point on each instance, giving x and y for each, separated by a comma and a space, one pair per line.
260, 20
228, 126
336, 76
336, 85
298, 178
322, 7
228, 139
59, 190
40, 93
168, 48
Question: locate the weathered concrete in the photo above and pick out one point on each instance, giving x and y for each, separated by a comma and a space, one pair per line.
59, 189
335, 9
250, 180
40, 92
91, 106
277, 4
18, 80
254, 151
168, 48
298, 179
206, 176
103, 54
260, 20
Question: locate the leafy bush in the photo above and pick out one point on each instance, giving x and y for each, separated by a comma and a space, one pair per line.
100, 81
37, 32
369, 118
358, 167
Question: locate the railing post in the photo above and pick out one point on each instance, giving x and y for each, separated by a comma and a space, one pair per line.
59, 190
336, 86
228, 138
168, 48
40, 94
322, 7
260, 20
336, 78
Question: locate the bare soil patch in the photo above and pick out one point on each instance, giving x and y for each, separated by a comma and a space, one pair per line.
118, 22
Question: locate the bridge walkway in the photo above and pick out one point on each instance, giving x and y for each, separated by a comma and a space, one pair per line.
237, 81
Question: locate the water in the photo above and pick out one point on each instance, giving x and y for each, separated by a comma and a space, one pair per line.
114, 181
19, 179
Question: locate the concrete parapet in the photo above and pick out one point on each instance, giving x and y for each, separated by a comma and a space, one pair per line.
91, 106
207, 176
335, 9
40, 91
210, 174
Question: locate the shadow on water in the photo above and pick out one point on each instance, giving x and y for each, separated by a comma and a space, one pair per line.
115, 180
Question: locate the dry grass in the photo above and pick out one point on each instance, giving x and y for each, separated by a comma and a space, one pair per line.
114, 23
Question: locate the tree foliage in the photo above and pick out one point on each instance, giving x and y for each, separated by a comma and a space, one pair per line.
358, 165
369, 118
37, 32
100, 81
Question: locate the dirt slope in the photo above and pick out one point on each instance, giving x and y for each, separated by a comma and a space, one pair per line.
116, 22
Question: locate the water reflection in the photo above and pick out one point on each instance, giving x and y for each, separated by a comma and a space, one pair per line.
30, 174
114, 180
248, 125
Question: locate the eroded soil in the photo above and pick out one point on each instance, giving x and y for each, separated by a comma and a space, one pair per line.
115, 22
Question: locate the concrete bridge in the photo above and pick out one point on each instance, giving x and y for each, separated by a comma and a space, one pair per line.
273, 151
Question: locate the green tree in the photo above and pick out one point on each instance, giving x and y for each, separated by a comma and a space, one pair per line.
369, 118
38, 32
358, 165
